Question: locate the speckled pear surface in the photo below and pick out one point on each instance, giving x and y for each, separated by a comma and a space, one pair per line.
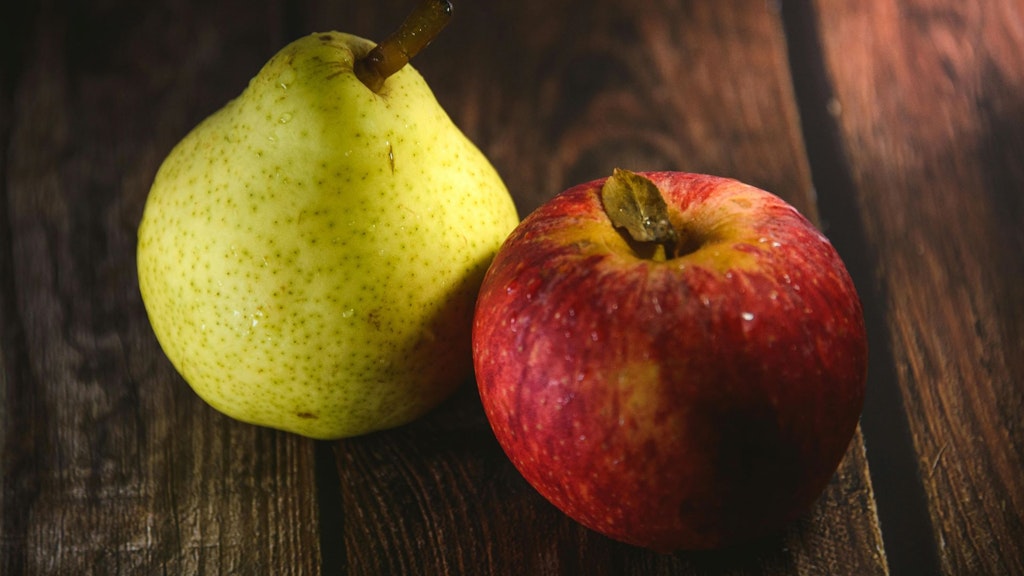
309, 255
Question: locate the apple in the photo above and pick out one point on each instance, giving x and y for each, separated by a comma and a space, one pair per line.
674, 360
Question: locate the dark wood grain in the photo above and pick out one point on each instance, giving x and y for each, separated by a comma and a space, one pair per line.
929, 108
110, 464
898, 125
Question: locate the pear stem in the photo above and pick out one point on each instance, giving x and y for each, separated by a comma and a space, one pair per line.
421, 26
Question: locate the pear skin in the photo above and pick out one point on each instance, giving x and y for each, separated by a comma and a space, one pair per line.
310, 254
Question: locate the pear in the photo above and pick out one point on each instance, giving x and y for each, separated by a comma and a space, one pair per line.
309, 256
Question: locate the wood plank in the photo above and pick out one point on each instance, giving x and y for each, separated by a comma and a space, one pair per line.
557, 93
927, 105
439, 496
110, 464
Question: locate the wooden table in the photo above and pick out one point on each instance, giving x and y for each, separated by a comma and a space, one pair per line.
897, 125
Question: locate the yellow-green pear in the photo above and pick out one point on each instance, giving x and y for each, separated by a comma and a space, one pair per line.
310, 255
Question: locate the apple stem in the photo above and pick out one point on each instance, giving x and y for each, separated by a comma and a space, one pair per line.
422, 25
635, 205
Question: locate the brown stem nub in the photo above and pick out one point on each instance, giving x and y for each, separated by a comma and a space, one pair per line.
634, 204
421, 26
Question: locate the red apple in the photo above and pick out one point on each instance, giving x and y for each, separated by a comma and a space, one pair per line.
694, 397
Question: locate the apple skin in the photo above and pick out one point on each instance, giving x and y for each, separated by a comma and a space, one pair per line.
698, 402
